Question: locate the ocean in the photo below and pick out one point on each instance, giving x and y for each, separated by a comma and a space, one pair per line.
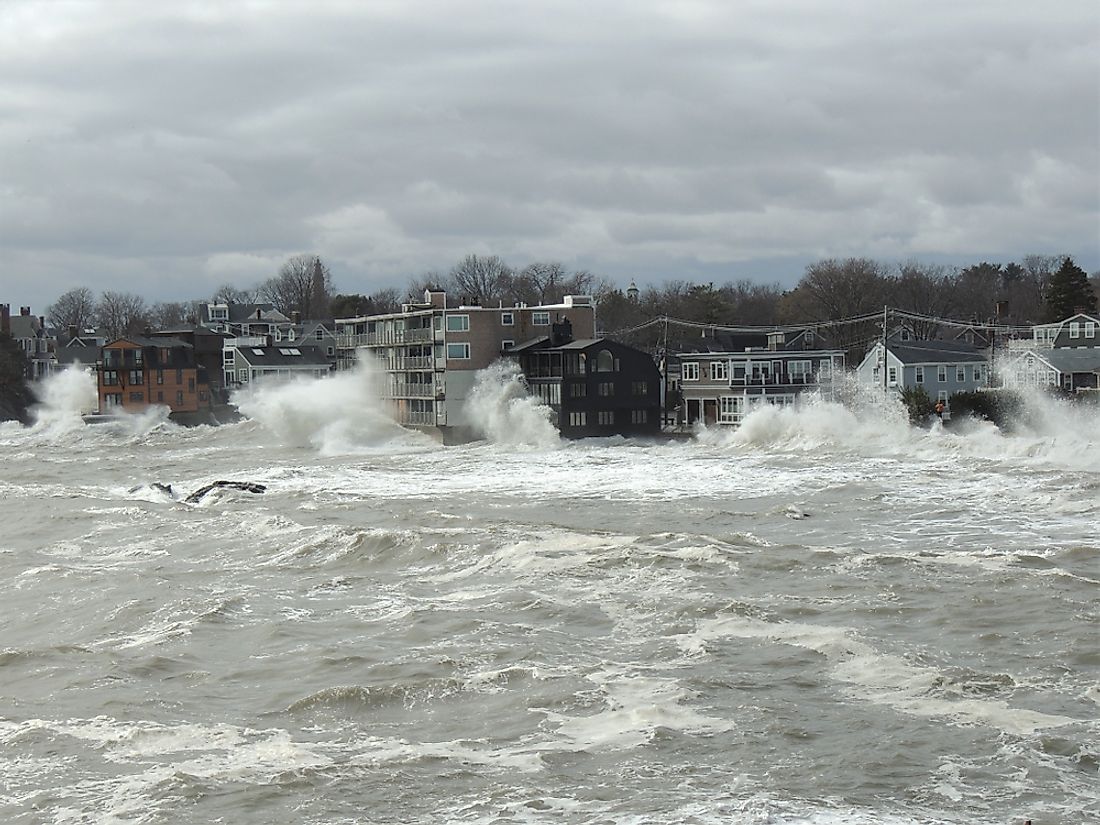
826, 616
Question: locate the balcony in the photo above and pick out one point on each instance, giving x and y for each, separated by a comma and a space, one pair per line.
423, 419
405, 390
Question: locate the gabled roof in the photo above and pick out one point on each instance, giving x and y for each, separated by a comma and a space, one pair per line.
1064, 360
935, 352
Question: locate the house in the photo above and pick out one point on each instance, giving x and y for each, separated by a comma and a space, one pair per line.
941, 368
248, 361
206, 345
720, 379
595, 387
430, 352
1065, 354
242, 319
135, 373
30, 334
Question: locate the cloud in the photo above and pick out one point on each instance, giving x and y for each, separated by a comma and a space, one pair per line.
167, 148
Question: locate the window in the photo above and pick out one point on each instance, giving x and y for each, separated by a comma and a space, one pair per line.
578, 419
242, 376
719, 371
110, 377
540, 319
920, 375
1075, 329
639, 388
942, 396
976, 372
607, 388
113, 399
179, 397
507, 343
1090, 329
941, 373
136, 377
729, 409
458, 351
960, 373
160, 397
507, 319
605, 361
190, 384
689, 371
319, 334
607, 417
202, 396
892, 375
578, 389
138, 357
137, 396
458, 323
800, 370
639, 416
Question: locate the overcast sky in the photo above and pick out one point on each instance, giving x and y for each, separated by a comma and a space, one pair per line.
168, 148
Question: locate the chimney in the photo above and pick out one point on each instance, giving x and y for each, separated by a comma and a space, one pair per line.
259, 312
24, 311
5, 319
296, 317
72, 332
561, 333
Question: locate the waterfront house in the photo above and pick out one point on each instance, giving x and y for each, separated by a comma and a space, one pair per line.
595, 387
720, 379
941, 368
247, 361
135, 373
1065, 354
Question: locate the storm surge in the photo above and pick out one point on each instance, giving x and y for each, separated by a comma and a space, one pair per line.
503, 411
338, 414
1047, 431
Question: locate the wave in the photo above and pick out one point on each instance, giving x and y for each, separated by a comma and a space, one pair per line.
505, 413
338, 414
1051, 431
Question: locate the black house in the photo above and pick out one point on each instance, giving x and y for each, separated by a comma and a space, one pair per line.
595, 386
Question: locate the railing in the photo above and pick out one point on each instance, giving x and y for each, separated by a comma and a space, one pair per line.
422, 362
421, 418
411, 391
781, 380
397, 336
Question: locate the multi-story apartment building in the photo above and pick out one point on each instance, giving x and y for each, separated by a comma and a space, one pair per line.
135, 373
429, 352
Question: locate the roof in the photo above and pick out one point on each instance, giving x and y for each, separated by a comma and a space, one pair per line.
157, 343
926, 352
284, 356
1068, 360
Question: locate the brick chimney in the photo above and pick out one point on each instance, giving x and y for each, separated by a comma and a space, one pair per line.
5, 319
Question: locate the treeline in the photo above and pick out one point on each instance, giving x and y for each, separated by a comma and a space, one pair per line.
1036, 288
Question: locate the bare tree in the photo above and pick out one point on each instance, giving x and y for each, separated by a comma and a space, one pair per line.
166, 314
121, 313
229, 294
304, 284
75, 308
925, 290
481, 279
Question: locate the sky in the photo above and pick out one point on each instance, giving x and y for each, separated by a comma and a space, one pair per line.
170, 148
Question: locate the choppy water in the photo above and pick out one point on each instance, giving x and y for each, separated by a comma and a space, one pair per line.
822, 618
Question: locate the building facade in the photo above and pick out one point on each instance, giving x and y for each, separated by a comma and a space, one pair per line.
721, 380
136, 373
595, 387
429, 353
940, 368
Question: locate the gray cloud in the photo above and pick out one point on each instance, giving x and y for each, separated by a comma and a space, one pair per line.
168, 150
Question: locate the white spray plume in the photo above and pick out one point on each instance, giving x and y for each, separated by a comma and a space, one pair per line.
504, 412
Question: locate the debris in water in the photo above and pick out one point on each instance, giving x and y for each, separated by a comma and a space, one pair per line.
247, 486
